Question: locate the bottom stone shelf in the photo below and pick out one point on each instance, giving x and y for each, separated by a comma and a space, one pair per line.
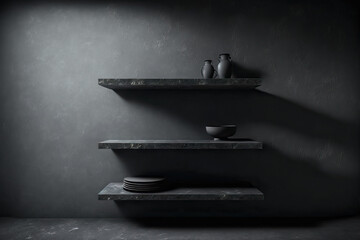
115, 191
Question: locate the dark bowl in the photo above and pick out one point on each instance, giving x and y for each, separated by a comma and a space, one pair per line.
221, 132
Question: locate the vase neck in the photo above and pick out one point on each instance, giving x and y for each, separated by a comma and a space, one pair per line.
224, 56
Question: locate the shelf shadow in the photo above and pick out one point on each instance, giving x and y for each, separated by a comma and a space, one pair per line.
287, 183
294, 184
239, 71
244, 108
223, 222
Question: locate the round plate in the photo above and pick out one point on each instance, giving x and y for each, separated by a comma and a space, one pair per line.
143, 190
143, 179
141, 187
137, 190
145, 187
144, 184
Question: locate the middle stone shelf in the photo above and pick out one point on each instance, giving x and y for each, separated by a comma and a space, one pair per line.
231, 144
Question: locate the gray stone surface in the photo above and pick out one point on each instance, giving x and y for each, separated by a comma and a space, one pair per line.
178, 83
179, 144
115, 191
180, 229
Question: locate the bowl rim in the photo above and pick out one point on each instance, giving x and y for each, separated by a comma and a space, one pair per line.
222, 126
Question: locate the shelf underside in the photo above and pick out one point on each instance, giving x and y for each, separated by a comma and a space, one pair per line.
166, 83
115, 191
179, 144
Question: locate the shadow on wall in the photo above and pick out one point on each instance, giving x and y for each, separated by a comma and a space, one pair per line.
290, 185
229, 223
293, 184
244, 108
238, 71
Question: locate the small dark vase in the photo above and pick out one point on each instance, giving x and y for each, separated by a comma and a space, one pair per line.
208, 71
224, 66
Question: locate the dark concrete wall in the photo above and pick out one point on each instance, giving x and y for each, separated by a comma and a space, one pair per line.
53, 113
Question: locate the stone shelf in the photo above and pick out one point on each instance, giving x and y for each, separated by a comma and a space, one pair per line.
115, 191
166, 83
179, 144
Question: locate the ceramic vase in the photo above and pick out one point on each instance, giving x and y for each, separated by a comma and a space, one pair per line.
224, 66
208, 71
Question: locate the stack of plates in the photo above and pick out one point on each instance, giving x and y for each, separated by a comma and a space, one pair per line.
143, 184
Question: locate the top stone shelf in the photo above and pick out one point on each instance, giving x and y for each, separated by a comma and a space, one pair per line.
176, 83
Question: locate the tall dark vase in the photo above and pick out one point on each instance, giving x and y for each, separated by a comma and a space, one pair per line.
208, 71
224, 66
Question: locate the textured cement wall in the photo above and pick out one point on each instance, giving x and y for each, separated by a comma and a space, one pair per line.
53, 113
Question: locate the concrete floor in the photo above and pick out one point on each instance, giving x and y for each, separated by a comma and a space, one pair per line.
340, 228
